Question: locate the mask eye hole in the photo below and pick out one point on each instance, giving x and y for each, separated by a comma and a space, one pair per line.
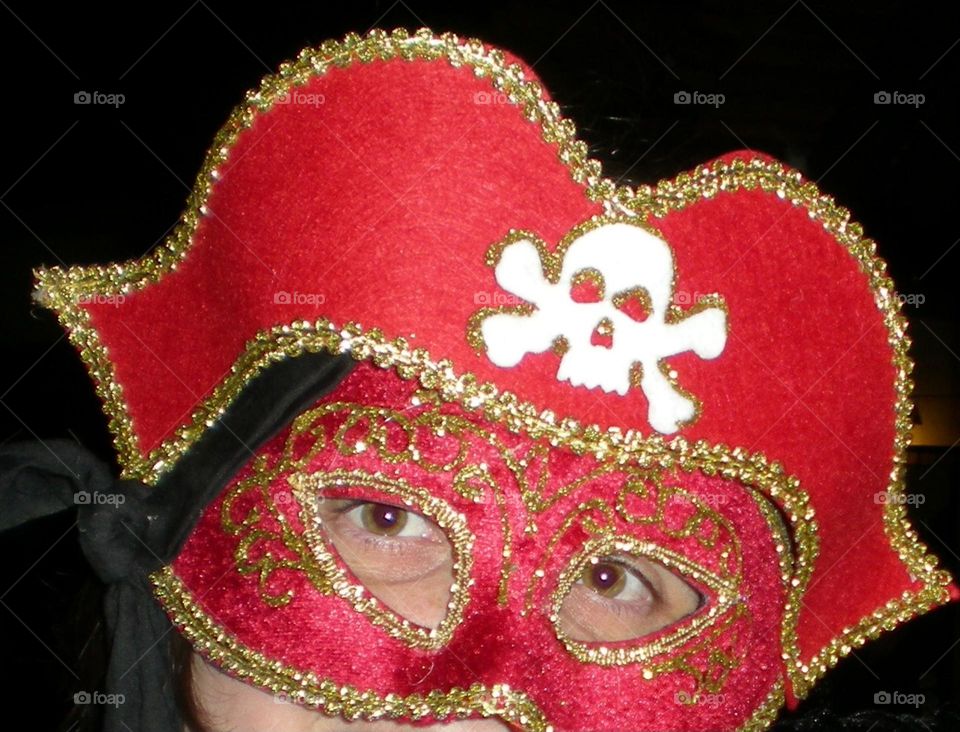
402, 557
621, 597
390, 549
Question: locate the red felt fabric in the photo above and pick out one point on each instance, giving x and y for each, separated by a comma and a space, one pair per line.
378, 206
397, 181
497, 644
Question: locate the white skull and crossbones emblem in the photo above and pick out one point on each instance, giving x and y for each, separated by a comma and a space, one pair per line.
627, 259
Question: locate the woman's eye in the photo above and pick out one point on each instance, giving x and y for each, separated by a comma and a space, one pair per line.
615, 581
385, 520
619, 598
402, 557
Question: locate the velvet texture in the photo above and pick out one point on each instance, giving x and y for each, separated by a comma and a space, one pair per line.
730, 667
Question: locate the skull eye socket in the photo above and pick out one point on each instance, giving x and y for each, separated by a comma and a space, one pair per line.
622, 597
587, 285
634, 303
602, 335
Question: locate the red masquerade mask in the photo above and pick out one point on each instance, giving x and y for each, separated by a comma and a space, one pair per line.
533, 533
630, 485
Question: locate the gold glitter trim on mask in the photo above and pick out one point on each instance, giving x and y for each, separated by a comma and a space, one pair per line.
395, 436
63, 290
713, 460
766, 714
277, 541
468, 480
606, 540
782, 540
637, 482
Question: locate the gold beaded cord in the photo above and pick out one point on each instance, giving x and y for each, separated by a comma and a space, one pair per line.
64, 291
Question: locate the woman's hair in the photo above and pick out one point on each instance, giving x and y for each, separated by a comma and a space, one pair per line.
90, 651
182, 671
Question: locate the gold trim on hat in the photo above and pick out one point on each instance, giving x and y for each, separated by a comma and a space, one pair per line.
64, 289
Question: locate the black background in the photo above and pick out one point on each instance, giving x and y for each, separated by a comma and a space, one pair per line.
92, 184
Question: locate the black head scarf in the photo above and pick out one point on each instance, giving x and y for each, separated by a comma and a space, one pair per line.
125, 539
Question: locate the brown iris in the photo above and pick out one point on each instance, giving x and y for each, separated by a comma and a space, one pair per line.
379, 518
605, 578
620, 597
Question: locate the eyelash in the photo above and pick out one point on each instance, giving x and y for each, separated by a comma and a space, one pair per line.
636, 572
348, 505
396, 544
619, 606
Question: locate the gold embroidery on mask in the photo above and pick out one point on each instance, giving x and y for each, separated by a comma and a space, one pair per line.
399, 437
726, 591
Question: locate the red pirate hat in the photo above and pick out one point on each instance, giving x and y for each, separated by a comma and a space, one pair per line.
419, 202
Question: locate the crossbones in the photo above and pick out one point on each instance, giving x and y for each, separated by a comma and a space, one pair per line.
627, 259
